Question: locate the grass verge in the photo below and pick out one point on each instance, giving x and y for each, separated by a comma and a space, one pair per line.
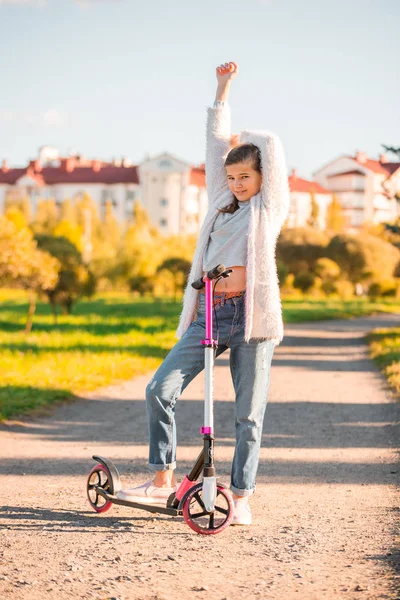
107, 339
384, 345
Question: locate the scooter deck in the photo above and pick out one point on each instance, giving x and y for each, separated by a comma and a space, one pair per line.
154, 508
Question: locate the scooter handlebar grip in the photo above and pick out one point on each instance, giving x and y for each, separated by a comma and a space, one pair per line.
198, 284
216, 271
213, 274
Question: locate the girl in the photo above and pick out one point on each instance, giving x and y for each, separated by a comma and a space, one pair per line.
248, 194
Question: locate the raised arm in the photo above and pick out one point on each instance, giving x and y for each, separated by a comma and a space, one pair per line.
218, 141
275, 187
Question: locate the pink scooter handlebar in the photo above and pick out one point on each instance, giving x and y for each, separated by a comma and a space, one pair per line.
218, 271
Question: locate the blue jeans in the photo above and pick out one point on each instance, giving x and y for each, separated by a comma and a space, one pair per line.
250, 364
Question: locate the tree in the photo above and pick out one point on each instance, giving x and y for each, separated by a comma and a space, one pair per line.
107, 243
363, 257
335, 220
392, 149
69, 212
46, 217
21, 203
23, 265
16, 216
25, 208
314, 213
89, 223
112, 229
66, 229
179, 268
141, 284
299, 247
282, 272
304, 281
327, 269
329, 272
75, 279
141, 253
141, 220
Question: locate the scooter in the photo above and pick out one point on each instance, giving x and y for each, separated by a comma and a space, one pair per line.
207, 507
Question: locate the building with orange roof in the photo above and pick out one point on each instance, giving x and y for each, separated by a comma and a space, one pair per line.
366, 188
172, 191
301, 193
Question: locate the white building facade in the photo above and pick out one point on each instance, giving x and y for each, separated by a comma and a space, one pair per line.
174, 194
366, 188
172, 191
301, 193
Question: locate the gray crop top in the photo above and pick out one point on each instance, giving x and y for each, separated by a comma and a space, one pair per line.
228, 240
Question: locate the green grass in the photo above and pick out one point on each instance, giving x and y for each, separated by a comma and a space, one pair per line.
309, 309
108, 338
105, 340
384, 347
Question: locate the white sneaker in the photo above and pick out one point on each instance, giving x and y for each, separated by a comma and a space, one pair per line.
147, 493
241, 513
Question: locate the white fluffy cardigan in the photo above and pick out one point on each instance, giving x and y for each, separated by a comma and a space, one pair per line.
269, 209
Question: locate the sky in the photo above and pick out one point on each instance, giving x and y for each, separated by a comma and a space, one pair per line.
113, 78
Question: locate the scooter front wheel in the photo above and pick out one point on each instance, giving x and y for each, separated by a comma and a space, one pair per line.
202, 521
99, 477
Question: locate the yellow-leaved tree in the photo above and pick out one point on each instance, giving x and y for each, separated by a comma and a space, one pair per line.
46, 216
141, 252
335, 220
15, 215
314, 212
23, 265
70, 231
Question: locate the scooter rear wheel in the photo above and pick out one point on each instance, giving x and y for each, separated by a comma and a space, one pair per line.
203, 522
99, 476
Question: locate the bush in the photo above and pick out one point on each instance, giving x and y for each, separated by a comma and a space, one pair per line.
327, 269
385, 289
363, 257
287, 289
344, 289
316, 291
304, 281
141, 284
329, 287
179, 269
300, 247
282, 272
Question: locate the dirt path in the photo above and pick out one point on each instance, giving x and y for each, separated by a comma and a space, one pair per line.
324, 513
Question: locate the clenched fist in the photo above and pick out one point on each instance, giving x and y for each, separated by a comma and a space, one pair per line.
226, 72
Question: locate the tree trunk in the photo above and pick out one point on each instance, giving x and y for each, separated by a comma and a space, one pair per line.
54, 311
31, 310
68, 303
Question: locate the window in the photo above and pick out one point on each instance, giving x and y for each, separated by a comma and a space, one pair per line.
164, 202
165, 163
130, 194
107, 195
163, 222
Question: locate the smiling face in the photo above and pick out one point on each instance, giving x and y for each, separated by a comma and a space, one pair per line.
243, 180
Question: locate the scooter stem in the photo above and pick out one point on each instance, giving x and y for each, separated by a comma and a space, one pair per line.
209, 479
209, 346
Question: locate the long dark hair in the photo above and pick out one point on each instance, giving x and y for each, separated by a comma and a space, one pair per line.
247, 153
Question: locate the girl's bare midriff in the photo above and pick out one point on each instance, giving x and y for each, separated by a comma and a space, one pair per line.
236, 282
